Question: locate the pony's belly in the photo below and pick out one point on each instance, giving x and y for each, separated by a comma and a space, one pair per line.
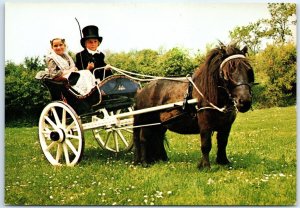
182, 123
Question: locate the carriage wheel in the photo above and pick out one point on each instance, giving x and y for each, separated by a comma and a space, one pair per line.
115, 138
60, 134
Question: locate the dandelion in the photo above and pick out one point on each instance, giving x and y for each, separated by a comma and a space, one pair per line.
210, 181
169, 192
51, 197
159, 194
146, 201
115, 203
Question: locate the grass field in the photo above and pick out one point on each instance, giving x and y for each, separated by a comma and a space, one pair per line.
262, 150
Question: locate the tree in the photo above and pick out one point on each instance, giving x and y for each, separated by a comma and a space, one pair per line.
283, 16
34, 63
24, 96
278, 65
274, 30
176, 62
249, 35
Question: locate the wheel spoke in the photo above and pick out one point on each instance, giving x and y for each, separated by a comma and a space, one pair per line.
73, 136
70, 126
66, 153
51, 145
58, 123
116, 141
128, 130
46, 132
69, 143
64, 118
54, 126
122, 138
107, 138
59, 152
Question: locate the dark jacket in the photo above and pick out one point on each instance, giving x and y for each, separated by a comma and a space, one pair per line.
84, 57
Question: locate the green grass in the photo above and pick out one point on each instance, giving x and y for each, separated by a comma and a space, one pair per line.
262, 149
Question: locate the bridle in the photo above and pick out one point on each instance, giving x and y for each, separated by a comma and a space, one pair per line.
233, 85
225, 78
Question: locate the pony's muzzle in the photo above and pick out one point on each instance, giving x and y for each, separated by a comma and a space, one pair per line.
243, 105
243, 98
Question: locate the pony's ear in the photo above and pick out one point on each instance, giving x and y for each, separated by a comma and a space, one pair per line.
245, 50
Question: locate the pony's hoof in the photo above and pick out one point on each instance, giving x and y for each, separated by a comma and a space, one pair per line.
135, 163
203, 165
145, 165
223, 161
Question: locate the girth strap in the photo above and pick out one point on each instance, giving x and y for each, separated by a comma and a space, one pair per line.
186, 107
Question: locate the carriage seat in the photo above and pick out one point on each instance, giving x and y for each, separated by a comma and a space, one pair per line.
112, 92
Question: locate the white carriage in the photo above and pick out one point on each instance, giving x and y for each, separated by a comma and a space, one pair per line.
107, 111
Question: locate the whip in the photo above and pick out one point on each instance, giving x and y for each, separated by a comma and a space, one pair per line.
81, 38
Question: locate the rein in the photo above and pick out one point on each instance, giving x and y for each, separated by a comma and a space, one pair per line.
148, 78
212, 106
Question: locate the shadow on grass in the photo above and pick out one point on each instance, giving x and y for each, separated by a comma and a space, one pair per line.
100, 155
249, 161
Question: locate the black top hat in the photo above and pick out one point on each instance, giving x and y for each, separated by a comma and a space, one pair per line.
90, 31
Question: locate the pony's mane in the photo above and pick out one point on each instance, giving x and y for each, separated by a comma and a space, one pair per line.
207, 75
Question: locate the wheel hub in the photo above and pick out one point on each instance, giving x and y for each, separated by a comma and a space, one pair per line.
58, 136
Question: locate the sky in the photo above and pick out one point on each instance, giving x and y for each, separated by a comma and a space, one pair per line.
124, 25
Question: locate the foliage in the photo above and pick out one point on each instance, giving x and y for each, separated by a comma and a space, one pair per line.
248, 35
261, 147
144, 61
24, 96
277, 64
176, 62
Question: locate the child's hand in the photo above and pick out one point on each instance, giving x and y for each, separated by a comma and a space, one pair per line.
90, 66
107, 67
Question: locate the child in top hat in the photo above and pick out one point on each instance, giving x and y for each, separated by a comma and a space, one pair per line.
91, 58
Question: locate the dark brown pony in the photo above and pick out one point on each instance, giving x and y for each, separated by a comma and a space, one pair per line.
222, 86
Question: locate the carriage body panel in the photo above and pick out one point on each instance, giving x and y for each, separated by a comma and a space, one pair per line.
113, 92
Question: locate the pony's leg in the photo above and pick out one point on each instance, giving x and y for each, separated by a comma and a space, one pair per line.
146, 145
160, 151
152, 145
222, 139
137, 146
205, 148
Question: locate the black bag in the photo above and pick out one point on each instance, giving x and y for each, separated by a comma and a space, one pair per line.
73, 78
